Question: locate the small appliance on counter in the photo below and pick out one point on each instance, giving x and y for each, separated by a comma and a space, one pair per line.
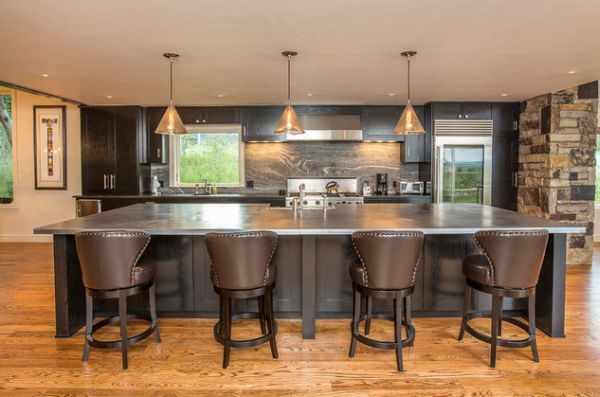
409, 187
366, 189
382, 188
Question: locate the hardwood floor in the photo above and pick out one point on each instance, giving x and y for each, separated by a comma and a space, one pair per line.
188, 362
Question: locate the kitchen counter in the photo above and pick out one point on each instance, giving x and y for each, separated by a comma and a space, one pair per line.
312, 257
198, 219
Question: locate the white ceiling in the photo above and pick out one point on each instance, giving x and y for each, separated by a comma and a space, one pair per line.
348, 49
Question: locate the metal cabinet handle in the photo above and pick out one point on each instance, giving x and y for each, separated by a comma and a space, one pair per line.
105, 181
515, 179
112, 181
158, 153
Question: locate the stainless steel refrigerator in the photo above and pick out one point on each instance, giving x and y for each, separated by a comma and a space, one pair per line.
463, 161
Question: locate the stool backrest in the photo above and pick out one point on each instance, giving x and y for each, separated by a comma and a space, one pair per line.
515, 257
390, 259
241, 260
107, 258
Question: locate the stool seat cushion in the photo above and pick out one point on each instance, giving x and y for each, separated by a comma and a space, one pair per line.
477, 268
142, 272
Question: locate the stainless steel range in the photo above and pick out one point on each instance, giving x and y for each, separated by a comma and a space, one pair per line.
314, 193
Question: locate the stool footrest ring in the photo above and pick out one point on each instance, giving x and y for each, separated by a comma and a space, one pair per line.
408, 341
518, 343
117, 343
247, 342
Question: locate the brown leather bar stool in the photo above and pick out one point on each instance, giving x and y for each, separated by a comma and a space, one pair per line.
509, 268
388, 269
241, 269
112, 267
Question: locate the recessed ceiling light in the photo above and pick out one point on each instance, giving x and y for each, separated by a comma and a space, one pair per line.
109, 96
220, 95
310, 94
504, 94
44, 75
571, 72
391, 94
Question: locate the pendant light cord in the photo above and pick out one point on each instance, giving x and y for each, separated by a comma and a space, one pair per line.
408, 78
289, 79
171, 81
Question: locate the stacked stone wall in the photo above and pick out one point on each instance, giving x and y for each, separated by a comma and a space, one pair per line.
557, 146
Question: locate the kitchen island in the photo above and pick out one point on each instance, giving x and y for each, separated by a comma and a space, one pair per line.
312, 257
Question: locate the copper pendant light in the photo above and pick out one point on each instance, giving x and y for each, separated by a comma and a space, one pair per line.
288, 122
171, 123
409, 123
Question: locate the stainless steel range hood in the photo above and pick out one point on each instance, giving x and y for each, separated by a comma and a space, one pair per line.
329, 128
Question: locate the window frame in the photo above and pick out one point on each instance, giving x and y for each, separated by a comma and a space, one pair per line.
13, 93
174, 151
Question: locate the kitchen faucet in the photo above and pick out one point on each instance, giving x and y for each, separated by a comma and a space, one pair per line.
302, 190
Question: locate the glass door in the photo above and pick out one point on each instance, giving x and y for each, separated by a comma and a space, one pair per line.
462, 173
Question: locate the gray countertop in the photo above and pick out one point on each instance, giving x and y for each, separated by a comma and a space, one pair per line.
198, 219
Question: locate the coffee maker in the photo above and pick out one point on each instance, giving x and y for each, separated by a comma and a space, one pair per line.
382, 188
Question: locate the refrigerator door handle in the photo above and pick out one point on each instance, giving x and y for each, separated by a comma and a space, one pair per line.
436, 174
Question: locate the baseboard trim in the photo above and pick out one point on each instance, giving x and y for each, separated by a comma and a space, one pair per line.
26, 239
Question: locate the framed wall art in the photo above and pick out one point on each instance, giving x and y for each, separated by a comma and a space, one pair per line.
50, 147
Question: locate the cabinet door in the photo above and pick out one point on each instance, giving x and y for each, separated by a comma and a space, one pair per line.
505, 155
127, 131
447, 111
378, 122
476, 111
96, 155
413, 149
260, 123
157, 145
222, 115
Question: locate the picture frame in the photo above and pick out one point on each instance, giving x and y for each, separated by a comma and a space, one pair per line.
50, 147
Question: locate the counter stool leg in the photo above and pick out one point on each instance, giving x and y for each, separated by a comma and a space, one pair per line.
500, 305
89, 319
152, 298
466, 307
261, 314
495, 311
123, 322
398, 332
531, 315
355, 317
271, 322
226, 330
369, 312
407, 316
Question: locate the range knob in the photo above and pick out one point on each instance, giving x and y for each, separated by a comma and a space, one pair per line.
305, 202
317, 202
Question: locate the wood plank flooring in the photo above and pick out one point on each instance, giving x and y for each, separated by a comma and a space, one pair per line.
188, 362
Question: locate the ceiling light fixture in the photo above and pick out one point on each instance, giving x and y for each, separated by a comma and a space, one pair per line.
504, 94
44, 75
220, 95
171, 123
571, 72
288, 122
310, 94
409, 123
109, 96
391, 94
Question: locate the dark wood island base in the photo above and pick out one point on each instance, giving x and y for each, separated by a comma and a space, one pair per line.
312, 280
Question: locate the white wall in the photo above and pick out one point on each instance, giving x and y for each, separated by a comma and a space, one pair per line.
39, 207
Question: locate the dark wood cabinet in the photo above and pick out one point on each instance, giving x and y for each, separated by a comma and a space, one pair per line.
210, 115
462, 110
157, 145
378, 123
505, 154
111, 149
259, 123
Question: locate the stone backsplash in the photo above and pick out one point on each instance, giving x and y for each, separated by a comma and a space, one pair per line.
557, 162
269, 164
